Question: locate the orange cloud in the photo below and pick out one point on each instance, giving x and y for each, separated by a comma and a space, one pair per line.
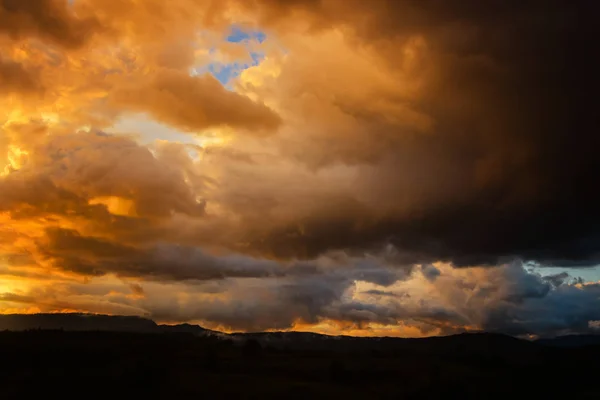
15, 78
49, 20
194, 103
432, 132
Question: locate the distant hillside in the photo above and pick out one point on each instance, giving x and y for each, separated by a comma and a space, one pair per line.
76, 322
464, 345
60, 363
187, 328
93, 322
488, 343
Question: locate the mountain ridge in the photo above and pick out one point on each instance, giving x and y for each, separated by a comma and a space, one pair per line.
296, 339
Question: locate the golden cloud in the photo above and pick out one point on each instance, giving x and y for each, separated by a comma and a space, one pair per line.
193, 103
431, 131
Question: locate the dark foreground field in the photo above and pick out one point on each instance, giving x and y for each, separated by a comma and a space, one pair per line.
44, 363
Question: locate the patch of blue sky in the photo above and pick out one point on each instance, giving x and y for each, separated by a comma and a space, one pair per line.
237, 34
588, 274
226, 72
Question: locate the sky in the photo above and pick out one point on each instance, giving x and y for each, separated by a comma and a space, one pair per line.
392, 167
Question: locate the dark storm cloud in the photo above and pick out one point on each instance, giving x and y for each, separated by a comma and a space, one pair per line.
444, 131
430, 272
557, 279
94, 256
280, 302
567, 309
505, 170
508, 167
376, 292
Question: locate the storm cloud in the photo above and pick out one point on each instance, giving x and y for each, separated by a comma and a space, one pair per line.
383, 167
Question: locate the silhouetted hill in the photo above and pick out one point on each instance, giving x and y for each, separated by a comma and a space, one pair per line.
94, 322
132, 356
77, 322
172, 365
467, 342
487, 347
187, 328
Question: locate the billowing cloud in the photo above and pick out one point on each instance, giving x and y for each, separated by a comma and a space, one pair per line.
364, 152
497, 158
49, 20
194, 103
505, 299
14, 77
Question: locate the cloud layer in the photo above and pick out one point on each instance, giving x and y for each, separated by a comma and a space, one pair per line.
385, 167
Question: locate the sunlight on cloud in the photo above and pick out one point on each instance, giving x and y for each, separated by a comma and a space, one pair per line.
148, 130
16, 158
116, 205
367, 168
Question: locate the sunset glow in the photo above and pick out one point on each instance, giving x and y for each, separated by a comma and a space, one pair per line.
384, 168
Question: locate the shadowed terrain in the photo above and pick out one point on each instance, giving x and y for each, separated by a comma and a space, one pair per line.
136, 357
